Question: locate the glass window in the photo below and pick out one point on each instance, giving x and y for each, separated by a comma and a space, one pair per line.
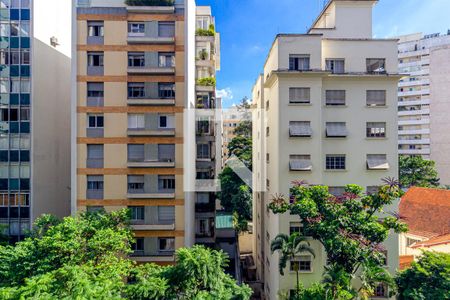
301, 263
25, 57
166, 182
136, 90
15, 57
25, 86
4, 3
166, 29
136, 121
136, 29
95, 182
137, 213
376, 129
15, 3
95, 121
162, 122
335, 162
136, 59
166, 244
24, 29
135, 183
167, 60
95, 89
376, 98
203, 151
15, 31
335, 97
299, 62
4, 86
4, 29
166, 90
138, 245
95, 59
336, 66
299, 95
376, 65
95, 28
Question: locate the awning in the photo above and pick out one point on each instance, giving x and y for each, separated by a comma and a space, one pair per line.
336, 129
300, 129
298, 163
377, 162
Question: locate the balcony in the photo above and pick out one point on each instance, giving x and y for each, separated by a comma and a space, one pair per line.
414, 122
141, 258
414, 112
168, 226
414, 83
413, 131
143, 39
150, 132
151, 70
414, 151
414, 93
169, 9
414, 102
151, 195
151, 101
414, 142
414, 53
151, 164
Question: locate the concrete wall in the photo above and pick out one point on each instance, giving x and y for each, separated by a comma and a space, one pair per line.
51, 71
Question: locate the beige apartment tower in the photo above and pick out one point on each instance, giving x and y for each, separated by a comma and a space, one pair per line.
131, 67
325, 112
423, 99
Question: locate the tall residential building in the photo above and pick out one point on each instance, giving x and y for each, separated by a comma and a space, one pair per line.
128, 112
231, 119
325, 113
208, 137
35, 60
423, 99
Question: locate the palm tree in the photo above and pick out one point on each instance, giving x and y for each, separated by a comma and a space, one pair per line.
289, 247
370, 276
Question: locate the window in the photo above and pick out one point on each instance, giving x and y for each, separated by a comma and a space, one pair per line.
14, 28
95, 121
295, 227
166, 121
166, 213
135, 183
95, 59
203, 151
335, 97
166, 182
167, 60
299, 62
336, 129
137, 213
301, 263
136, 29
377, 162
138, 245
95, 152
376, 129
25, 57
136, 59
299, 95
95, 89
95, 183
300, 163
335, 162
166, 90
136, 152
376, 65
95, 28
410, 241
381, 290
336, 66
24, 29
376, 98
300, 129
166, 29
136, 90
203, 22
336, 191
166, 244
136, 121
202, 198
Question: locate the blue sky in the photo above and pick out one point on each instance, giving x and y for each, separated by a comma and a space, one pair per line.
248, 27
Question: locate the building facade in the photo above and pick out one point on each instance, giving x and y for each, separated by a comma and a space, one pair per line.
35, 112
325, 112
129, 118
423, 102
208, 137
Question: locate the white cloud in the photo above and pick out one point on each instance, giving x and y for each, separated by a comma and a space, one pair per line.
225, 94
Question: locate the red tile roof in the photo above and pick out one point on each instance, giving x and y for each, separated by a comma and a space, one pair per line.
437, 240
426, 210
405, 261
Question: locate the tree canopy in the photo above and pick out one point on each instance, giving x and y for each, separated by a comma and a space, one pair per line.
416, 171
86, 257
428, 278
349, 226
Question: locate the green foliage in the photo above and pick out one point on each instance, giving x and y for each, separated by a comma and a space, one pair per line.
198, 274
428, 278
348, 227
203, 54
289, 247
244, 129
85, 257
416, 171
149, 2
207, 81
206, 32
3, 236
241, 147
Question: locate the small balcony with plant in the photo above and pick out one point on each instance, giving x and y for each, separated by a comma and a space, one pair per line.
206, 84
205, 58
151, 6
206, 35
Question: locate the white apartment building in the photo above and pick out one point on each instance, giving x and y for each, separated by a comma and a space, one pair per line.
424, 98
325, 112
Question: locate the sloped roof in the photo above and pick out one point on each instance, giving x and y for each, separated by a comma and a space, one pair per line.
426, 210
437, 240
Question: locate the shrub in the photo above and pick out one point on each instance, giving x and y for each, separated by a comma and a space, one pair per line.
206, 32
207, 81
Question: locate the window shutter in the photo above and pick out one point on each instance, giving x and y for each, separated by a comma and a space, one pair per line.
136, 152
335, 97
376, 98
166, 213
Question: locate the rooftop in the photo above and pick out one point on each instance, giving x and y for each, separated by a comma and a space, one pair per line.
426, 210
435, 241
